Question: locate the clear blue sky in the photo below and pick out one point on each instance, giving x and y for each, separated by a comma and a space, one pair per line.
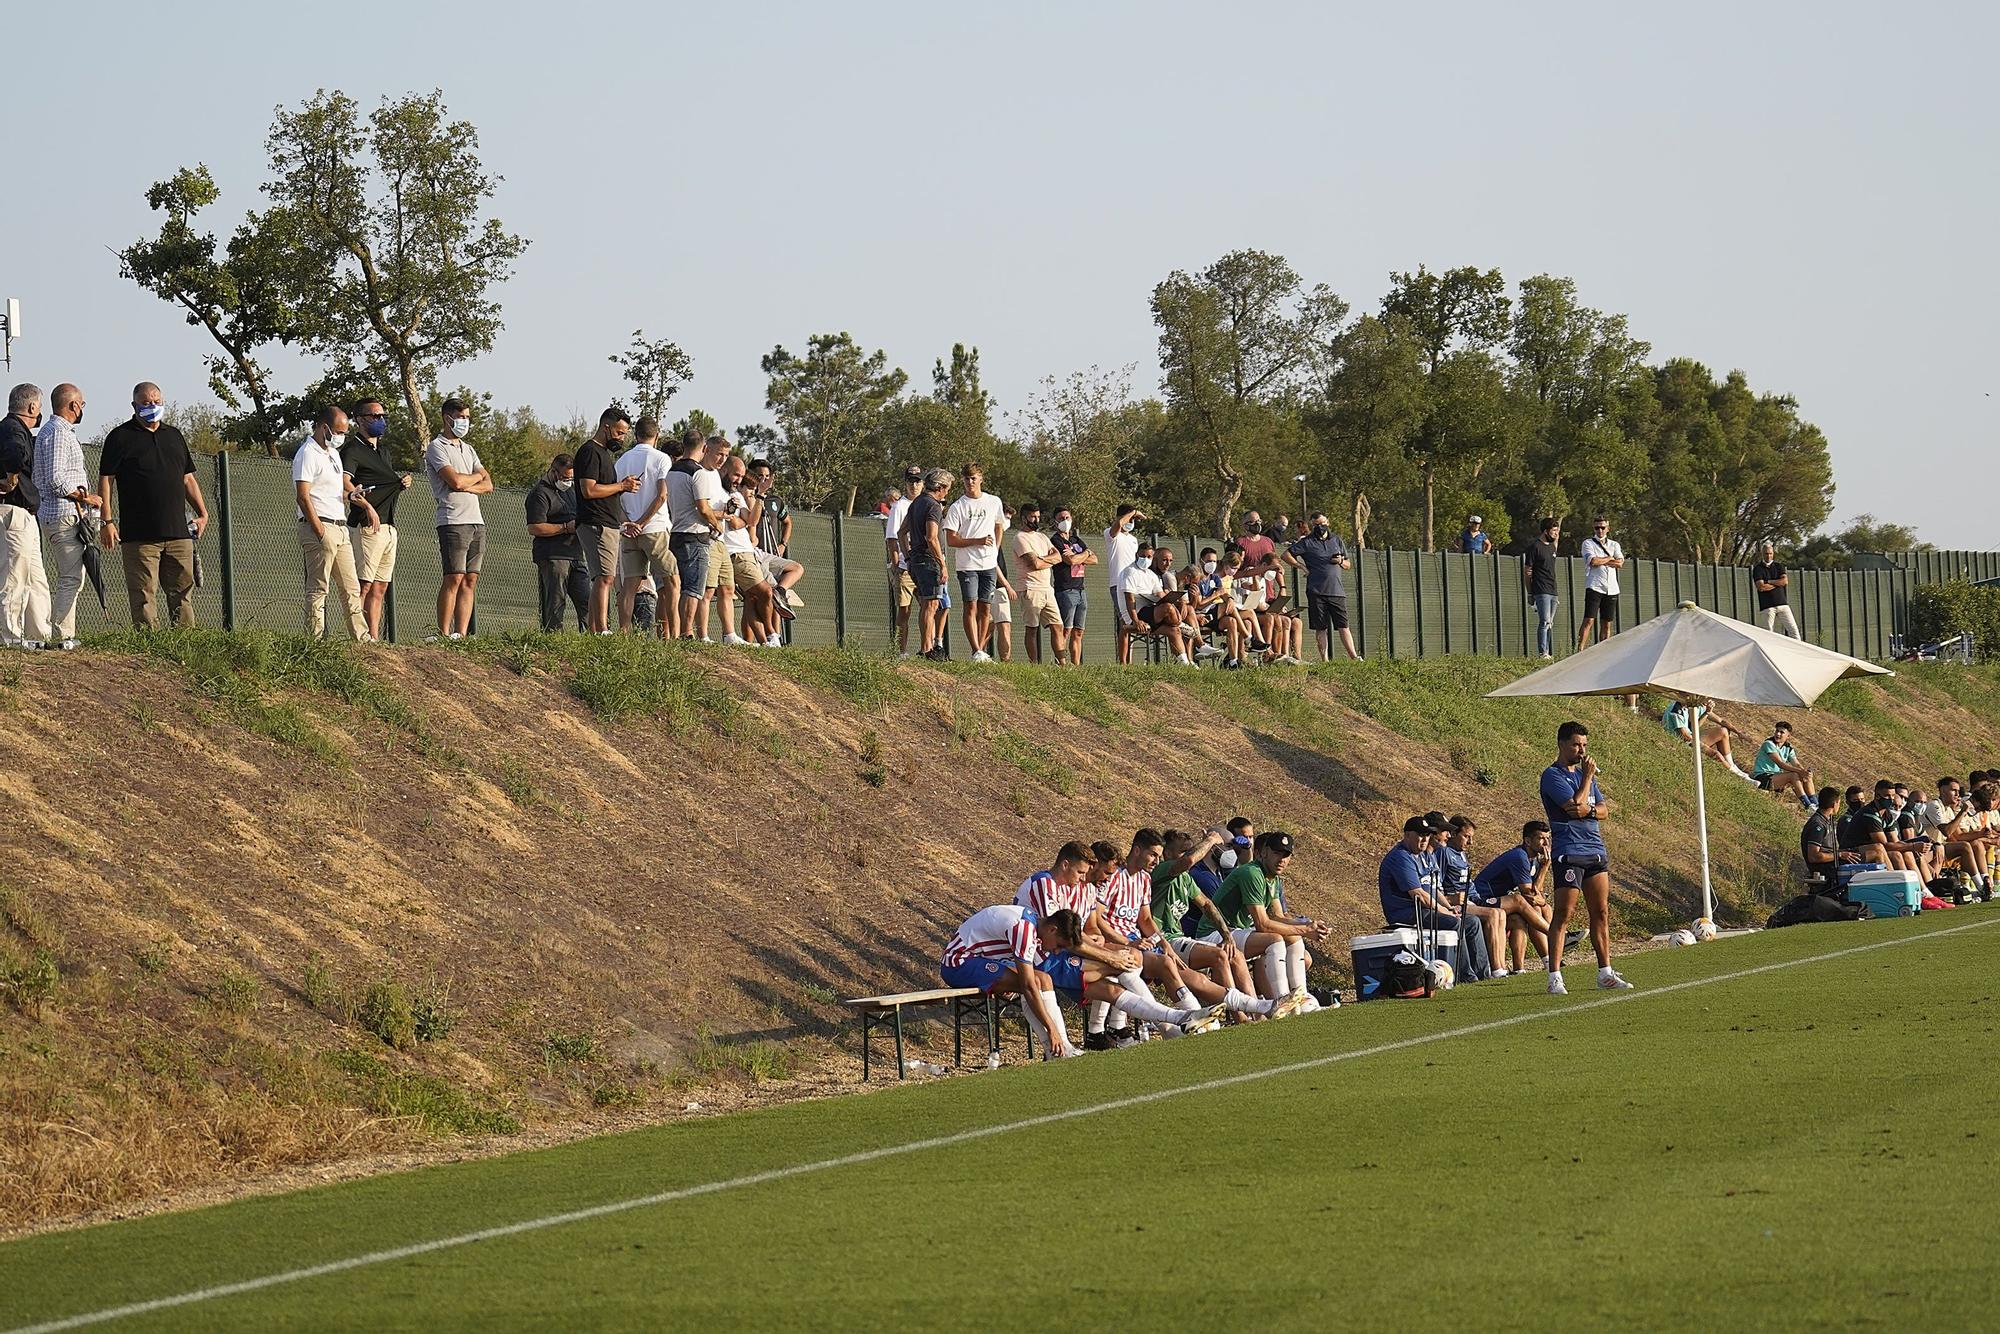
1807, 192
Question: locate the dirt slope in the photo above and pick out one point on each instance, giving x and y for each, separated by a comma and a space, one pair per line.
603, 882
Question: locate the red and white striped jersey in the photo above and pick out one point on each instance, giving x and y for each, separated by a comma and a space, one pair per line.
1004, 931
1042, 896
1125, 894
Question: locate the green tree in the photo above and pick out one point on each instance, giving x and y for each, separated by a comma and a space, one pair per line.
696, 418
398, 202
830, 404
1241, 338
656, 369
1373, 404
1836, 551
1082, 432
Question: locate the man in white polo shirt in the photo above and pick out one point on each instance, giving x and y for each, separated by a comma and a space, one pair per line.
325, 491
458, 479
1602, 558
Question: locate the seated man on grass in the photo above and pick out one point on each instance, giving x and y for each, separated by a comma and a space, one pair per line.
1777, 768
1511, 889
1680, 719
1251, 904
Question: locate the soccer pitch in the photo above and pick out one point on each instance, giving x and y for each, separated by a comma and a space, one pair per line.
1780, 1130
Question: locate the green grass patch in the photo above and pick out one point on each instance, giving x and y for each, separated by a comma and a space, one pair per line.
758, 1061
868, 681
622, 677
424, 1098
1078, 693
1034, 759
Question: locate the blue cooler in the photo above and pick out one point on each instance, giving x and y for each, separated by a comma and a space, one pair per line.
1371, 956
1886, 893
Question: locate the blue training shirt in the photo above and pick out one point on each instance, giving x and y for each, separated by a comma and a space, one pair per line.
1575, 836
1402, 873
1453, 870
1505, 874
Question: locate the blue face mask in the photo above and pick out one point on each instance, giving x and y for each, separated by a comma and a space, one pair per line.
377, 427
151, 413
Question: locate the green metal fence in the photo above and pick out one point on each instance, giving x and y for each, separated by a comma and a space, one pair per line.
1400, 603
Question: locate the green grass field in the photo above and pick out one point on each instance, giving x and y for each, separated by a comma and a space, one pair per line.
1809, 1145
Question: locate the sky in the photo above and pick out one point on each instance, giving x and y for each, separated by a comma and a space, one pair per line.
1805, 192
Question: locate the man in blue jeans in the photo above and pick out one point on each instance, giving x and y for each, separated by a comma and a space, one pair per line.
1538, 572
1407, 880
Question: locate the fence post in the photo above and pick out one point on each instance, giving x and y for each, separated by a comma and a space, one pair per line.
224, 530
1360, 602
840, 589
1389, 595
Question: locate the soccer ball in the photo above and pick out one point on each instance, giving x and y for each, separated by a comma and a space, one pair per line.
1681, 937
1442, 977
1704, 929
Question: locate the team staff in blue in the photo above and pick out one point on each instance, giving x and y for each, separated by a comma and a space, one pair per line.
1575, 805
1407, 881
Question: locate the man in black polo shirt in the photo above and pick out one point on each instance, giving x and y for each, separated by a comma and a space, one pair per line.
1323, 556
1538, 572
1819, 845
147, 469
558, 559
24, 580
1774, 598
600, 510
365, 456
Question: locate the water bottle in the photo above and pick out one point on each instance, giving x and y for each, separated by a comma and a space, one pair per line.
993, 1061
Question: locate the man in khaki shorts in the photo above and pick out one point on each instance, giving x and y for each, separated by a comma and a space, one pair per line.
743, 567
1034, 557
642, 540
902, 588
366, 458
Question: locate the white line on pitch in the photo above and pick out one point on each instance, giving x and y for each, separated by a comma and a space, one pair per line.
937, 1142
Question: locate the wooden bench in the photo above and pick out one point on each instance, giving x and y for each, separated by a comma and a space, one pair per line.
886, 1012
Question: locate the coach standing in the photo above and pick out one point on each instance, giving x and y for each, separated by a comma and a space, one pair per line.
66, 498
324, 490
1575, 806
148, 473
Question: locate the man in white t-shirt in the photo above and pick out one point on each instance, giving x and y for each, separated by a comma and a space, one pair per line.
1603, 558
902, 588
1151, 607
643, 538
747, 575
972, 529
1121, 547
694, 507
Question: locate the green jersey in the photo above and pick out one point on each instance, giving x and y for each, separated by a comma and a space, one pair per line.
1173, 900
1247, 887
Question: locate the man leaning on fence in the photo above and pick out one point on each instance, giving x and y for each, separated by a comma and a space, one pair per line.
325, 490
69, 508
146, 477
24, 580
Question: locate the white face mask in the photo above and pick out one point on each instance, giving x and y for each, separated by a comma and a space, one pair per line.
565, 484
461, 426
336, 440
1227, 861
1208, 567
1125, 527
1062, 525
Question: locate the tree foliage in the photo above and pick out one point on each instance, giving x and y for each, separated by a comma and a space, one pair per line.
656, 369
830, 404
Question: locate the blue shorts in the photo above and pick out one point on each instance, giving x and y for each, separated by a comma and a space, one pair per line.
928, 578
690, 552
977, 585
1572, 872
1066, 971
1071, 605
985, 974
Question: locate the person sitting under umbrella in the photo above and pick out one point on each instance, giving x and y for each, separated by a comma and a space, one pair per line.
1681, 718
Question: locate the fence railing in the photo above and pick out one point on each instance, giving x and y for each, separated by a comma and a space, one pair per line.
1400, 603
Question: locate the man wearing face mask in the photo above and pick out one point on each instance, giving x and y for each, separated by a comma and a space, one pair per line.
458, 480
66, 499
147, 473
366, 458
1121, 549
1323, 556
325, 490
559, 571
1072, 602
24, 580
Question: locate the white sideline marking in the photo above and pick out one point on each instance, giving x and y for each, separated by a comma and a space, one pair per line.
937, 1142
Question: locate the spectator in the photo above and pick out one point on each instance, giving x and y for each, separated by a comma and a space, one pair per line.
1238, 627
1121, 548
1179, 898
1154, 609
645, 605
366, 458
1002, 645
1858, 830
1072, 602
720, 591
1538, 572
1512, 884
645, 532
147, 474
1323, 556
758, 624
1603, 558
1280, 532
1907, 851
458, 479
1777, 768
1681, 719
972, 528
694, 507
600, 511
1257, 543
1472, 539
774, 541
1209, 609
69, 510
1034, 559
902, 588
325, 492
559, 571
1820, 844
24, 579
923, 554
1774, 594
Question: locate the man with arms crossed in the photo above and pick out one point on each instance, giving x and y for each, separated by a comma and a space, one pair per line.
1575, 807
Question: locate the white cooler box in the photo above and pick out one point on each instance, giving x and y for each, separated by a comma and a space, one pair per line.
1372, 955
1886, 893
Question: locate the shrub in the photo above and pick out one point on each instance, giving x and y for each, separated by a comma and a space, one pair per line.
234, 992
385, 1011
31, 985
432, 1015
316, 983
1940, 611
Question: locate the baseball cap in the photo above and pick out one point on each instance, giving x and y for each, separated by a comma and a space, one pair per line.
913, 473
1416, 824
1436, 821
1279, 842
1475, 519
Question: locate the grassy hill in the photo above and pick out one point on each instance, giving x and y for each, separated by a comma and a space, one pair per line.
276, 910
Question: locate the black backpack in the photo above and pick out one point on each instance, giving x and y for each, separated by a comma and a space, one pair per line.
1813, 908
1406, 977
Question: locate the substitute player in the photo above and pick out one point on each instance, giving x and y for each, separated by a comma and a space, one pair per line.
1575, 805
1510, 888
999, 950
1251, 903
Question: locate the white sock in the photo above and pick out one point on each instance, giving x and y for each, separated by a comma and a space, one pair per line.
1038, 1028
1273, 967
1238, 1003
1094, 1017
1141, 1006
1295, 962
1186, 999
1605, 972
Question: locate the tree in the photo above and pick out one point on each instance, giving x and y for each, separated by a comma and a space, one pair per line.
1836, 551
242, 296
1458, 313
1081, 432
830, 405
696, 418
396, 203
757, 441
1243, 333
656, 370
1372, 405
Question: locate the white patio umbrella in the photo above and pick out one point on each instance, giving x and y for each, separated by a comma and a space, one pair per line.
1694, 655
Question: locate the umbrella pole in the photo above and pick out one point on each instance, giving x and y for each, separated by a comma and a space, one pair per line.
1701, 819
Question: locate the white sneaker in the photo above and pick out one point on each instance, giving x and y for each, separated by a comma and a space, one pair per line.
706, 640
1499, 972
1287, 660
1556, 987
775, 641
69, 645
1209, 651
1608, 980
904, 654
456, 634
735, 641
982, 656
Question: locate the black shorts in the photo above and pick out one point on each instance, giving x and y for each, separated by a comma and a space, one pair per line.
925, 573
1571, 872
1764, 781
1152, 614
1600, 606
1326, 612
